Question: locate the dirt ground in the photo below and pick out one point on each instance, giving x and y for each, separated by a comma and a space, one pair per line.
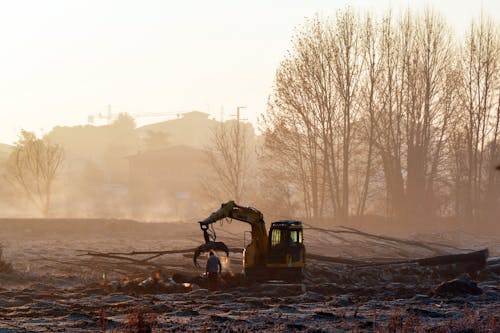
54, 287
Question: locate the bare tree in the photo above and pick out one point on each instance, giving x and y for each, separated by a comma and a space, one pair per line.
430, 81
300, 120
347, 70
315, 116
480, 90
357, 101
277, 197
32, 168
368, 100
230, 157
314, 119
286, 154
416, 102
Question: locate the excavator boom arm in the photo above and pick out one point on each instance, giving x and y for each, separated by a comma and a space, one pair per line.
231, 210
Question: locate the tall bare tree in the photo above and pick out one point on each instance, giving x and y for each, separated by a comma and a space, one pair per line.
415, 107
358, 101
32, 168
368, 100
347, 46
480, 92
230, 157
300, 119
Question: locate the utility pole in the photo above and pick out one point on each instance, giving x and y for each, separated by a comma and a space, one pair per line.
238, 112
238, 118
238, 155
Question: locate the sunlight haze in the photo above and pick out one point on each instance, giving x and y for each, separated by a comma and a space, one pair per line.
249, 166
62, 61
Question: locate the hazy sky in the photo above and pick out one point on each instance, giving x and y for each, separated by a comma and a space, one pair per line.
61, 61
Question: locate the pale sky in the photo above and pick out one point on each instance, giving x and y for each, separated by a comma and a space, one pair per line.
61, 61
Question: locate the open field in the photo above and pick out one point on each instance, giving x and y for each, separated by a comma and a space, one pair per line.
54, 287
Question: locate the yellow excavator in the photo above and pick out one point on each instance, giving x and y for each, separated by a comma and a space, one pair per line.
279, 254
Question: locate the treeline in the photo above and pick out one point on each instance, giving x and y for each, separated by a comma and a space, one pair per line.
393, 116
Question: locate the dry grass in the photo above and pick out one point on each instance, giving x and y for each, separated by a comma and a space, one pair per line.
140, 322
470, 321
137, 322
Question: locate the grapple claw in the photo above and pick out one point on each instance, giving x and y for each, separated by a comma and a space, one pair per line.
216, 246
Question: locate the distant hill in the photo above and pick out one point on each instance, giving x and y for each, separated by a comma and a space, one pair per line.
6, 148
91, 141
5, 151
193, 129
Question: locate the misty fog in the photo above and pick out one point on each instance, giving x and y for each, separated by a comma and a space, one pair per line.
389, 120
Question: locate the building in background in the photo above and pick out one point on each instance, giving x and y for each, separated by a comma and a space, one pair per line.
192, 129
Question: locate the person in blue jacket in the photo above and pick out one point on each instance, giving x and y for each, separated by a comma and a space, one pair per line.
213, 269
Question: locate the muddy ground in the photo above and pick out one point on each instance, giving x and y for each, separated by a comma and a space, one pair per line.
54, 287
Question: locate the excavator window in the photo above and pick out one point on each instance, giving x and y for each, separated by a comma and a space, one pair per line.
296, 236
276, 237
279, 237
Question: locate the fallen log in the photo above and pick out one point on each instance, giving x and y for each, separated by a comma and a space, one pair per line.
477, 257
446, 265
337, 260
130, 260
132, 253
146, 262
424, 244
437, 248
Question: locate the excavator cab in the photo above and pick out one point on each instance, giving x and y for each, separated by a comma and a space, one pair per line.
286, 252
